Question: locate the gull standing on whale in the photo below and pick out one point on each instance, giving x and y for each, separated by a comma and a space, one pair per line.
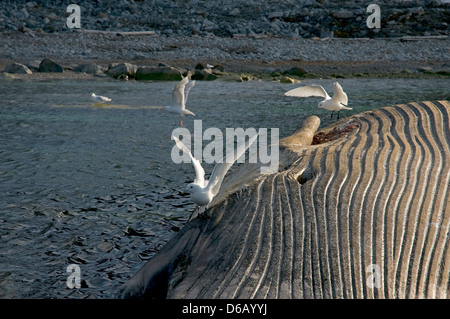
338, 102
203, 191
179, 97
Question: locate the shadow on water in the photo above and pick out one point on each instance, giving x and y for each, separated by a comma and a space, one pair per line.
96, 187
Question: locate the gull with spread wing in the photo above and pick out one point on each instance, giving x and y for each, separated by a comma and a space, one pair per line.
338, 102
203, 191
179, 97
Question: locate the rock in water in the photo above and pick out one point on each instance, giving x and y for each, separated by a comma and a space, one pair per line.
17, 68
204, 75
48, 65
364, 214
164, 73
288, 79
122, 69
88, 68
298, 71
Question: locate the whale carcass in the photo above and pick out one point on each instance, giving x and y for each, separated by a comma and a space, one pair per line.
359, 210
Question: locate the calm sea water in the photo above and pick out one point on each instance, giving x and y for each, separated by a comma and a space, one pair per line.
96, 187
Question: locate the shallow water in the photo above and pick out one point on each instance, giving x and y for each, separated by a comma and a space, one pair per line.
96, 187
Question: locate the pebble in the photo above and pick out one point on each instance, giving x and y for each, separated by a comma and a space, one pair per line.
234, 12
343, 14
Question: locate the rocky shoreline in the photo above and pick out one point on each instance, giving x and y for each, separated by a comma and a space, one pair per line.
227, 18
258, 56
248, 39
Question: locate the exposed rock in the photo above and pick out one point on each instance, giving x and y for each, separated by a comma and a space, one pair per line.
164, 73
204, 74
22, 14
88, 68
298, 71
343, 14
17, 68
199, 66
275, 15
231, 77
247, 77
48, 65
218, 67
326, 34
25, 30
434, 3
117, 69
234, 12
288, 79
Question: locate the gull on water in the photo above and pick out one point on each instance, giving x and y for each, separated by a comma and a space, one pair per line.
203, 191
338, 102
179, 97
99, 98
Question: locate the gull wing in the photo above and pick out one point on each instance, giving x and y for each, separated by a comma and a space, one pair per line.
307, 91
187, 89
221, 169
104, 98
199, 171
339, 94
178, 92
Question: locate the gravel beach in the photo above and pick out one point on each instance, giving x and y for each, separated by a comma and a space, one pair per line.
242, 54
324, 38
